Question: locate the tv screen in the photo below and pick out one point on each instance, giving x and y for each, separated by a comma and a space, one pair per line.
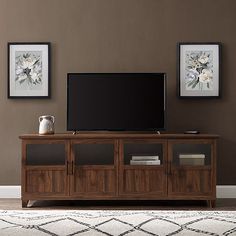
116, 101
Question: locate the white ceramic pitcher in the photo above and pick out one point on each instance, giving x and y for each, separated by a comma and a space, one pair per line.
46, 124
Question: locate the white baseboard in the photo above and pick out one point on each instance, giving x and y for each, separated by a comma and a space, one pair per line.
222, 191
10, 191
226, 191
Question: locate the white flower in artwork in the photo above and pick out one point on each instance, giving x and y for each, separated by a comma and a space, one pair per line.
192, 74
34, 77
199, 70
28, 69
206, 76
203, 58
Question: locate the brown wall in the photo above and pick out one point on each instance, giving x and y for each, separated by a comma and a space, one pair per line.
118, 36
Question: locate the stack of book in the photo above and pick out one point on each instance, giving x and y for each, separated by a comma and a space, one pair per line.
192, 159
145, 160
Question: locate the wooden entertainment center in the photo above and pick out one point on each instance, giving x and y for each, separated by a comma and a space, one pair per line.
96, 166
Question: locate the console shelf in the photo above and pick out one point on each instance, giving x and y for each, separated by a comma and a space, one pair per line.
97, 166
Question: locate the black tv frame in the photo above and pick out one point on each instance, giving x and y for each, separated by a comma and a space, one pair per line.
152, 130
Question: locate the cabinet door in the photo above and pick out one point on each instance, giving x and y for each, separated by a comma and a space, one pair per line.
44, 168
191, 170
94, 167
145, 179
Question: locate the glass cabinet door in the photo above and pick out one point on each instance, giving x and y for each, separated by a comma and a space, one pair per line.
44, 169
143, 167
190, 169
40, 154
94, 168
141, 153
191, 154
89, 154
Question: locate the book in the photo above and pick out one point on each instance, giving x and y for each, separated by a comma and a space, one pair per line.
192, 159
134, 162
144, 157
192, 155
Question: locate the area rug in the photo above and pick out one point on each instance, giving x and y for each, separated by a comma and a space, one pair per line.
129, 222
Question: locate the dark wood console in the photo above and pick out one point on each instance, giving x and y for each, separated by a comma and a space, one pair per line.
97, 166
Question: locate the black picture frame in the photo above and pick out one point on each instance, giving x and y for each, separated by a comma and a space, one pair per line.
29, 70
199, 64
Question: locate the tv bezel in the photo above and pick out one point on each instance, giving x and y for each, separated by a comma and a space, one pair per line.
120, 130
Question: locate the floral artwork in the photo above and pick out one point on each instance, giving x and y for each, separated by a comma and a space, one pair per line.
29, 69
199, 70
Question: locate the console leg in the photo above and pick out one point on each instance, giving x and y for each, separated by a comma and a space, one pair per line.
25, 203
211, 203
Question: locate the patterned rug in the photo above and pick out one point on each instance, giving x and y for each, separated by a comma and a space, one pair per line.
130, 223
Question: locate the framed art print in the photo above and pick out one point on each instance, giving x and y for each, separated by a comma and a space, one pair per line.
199, 70
28, 70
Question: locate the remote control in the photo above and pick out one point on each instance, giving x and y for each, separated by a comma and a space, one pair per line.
191, 132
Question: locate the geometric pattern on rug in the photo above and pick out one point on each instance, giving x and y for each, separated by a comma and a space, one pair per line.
114, 223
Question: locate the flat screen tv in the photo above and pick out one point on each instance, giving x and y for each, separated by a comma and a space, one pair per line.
116, 101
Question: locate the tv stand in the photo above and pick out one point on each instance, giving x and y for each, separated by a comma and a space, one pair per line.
97, 166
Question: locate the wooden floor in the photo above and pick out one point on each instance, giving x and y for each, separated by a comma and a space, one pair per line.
15, 204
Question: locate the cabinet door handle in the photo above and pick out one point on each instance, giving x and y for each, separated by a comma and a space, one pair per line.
69, 168
166, 164
72, 167
169, 168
